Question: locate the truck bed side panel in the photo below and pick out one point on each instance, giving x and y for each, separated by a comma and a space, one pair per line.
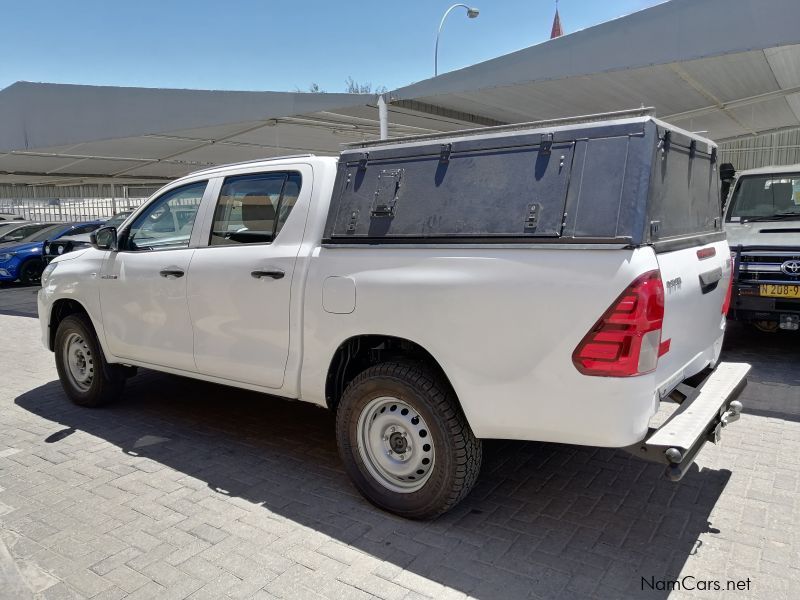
502, 323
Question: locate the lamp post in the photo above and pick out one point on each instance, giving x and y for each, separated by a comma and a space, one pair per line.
471, 13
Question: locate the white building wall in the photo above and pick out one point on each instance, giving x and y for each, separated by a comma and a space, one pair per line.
780, 148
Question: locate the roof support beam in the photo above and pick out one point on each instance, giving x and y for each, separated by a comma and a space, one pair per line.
145, 179
739, 103
197, 147
432, 109
692, 82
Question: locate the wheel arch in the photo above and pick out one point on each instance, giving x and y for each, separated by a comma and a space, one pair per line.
359, 352
61, 309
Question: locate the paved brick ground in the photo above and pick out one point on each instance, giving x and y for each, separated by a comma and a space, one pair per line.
191, 490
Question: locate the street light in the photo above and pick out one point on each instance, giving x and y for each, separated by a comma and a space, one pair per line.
471, 13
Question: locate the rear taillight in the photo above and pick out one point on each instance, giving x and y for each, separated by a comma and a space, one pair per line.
626, 341
726, 305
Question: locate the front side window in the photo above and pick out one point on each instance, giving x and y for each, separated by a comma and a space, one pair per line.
766, 197
253, 208
168, 221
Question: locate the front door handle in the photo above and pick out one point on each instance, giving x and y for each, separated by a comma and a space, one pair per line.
171, 273
272, 274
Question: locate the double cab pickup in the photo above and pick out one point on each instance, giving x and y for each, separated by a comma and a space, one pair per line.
553, 281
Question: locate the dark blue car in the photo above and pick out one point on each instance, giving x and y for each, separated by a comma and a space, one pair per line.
23, 259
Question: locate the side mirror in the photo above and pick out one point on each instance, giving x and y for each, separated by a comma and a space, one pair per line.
104, 238
727, 172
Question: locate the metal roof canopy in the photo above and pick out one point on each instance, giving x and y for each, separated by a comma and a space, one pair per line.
730, 68
57, 134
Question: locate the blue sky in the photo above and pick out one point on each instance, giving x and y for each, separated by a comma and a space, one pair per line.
269, 44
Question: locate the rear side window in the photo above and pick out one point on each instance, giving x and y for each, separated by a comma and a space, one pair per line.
252, 209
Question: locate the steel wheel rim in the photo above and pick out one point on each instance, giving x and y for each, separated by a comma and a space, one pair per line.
395, 444
79, 361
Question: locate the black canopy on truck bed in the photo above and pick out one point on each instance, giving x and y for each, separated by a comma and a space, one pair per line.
617, 178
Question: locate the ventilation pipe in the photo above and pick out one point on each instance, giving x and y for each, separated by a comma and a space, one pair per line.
383, 116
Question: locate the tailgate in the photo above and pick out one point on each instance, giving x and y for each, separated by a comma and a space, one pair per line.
696, 282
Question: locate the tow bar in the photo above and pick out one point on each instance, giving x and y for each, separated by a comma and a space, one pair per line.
704, 411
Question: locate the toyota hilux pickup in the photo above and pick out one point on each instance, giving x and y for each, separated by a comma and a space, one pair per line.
762, 220
551, 281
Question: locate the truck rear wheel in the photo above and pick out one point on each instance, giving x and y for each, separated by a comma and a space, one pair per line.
405, 441
86, 377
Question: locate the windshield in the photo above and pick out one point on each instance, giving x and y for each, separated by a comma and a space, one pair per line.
44, 234
764, 196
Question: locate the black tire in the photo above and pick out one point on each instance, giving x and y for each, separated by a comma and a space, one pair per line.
457, 451
106, 382
31, 271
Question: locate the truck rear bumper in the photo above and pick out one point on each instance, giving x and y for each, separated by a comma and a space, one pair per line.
705, 408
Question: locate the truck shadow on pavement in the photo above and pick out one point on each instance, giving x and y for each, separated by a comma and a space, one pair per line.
544, 520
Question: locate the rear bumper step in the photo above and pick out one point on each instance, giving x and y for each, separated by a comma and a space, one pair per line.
704, 411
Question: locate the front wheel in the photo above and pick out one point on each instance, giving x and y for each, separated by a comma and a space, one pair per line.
85, 376
405, 441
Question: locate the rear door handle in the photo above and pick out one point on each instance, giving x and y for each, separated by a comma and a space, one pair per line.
710, 279
272, 274
171, 273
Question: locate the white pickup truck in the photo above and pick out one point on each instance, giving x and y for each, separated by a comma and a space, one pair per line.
551, 281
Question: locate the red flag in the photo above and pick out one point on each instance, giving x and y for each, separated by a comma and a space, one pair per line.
556, 31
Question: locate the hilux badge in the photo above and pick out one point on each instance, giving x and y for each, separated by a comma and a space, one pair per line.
674, 284
791, 267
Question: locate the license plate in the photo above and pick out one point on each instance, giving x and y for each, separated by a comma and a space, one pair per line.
779, 291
